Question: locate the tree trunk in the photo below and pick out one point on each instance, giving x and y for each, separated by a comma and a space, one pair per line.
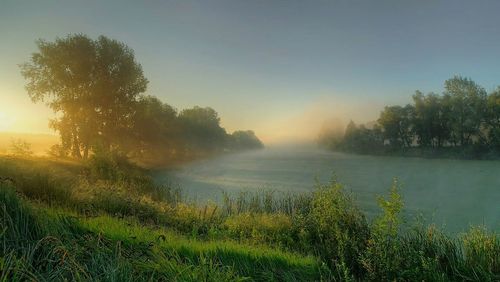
86, 152
76, 146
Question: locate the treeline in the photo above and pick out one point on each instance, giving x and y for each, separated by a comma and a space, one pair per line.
463, 121
95, 88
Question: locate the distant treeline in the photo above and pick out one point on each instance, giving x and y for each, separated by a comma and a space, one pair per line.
464, 121
95, 88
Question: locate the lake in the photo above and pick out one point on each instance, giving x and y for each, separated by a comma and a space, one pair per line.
453, 194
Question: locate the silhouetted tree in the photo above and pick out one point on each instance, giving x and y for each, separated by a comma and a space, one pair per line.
463, 116
430, 120
92, 86
201, 129
493, 118
396, 125
156, 129
468, 106
241, 140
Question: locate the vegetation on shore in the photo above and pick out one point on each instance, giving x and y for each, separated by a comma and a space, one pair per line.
463, 122
106, 220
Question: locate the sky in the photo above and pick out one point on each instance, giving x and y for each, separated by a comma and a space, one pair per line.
278, 67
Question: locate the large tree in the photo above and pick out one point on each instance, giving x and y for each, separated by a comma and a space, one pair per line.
244, 139
396, 123
468, 106
91, 85
493, 118
156, 129
431, 119
201, 129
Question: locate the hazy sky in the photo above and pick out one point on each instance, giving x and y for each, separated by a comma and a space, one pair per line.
279, 67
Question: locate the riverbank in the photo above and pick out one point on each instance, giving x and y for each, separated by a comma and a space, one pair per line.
82, 224
457, 153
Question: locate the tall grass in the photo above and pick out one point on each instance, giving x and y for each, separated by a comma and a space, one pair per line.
50, 245
86, 227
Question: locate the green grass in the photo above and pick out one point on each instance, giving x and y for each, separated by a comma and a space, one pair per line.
45, 244
65, 221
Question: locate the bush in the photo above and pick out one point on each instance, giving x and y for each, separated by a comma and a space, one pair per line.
20, 147
337, 229
58, 151
107, 166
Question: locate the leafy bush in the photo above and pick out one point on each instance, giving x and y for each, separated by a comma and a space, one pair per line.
58, 151
383, 259
107, 165
20, 147
337, 229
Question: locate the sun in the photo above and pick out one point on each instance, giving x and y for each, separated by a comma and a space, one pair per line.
6, 122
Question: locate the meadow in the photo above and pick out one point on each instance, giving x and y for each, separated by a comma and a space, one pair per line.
107, 220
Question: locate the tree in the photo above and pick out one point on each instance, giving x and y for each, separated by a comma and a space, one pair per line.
361, 139
244, 139
156, 130
91, 85
493, 118
201, 129
430, 119
396, 125
468, 104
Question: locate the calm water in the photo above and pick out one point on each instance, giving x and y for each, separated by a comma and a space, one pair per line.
449, 193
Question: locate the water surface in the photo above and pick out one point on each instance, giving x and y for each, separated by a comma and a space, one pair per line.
450, 193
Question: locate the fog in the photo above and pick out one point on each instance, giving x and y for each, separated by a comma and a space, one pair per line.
330, 113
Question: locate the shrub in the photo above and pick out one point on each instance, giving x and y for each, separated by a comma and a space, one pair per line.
105, 165
382, 258
58, 151
20, 147
337, 229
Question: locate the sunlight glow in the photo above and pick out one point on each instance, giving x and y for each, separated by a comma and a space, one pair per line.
6, 122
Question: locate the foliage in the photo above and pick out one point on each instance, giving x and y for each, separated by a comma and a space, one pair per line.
240, 140
57, 151
396, 124
338, 230
95, 89
463, 122
19, 147
201, 129
92, 86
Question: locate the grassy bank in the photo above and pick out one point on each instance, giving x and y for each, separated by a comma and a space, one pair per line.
105, 220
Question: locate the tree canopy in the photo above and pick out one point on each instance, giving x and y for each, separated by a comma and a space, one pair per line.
91, 84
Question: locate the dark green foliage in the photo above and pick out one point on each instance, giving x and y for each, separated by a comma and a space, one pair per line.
201, 129
463, 122
338, 230
359, 139
240, 140
395, 122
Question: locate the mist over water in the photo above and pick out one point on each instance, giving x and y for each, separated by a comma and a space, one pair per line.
450, 193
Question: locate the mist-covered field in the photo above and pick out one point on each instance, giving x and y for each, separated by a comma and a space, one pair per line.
452, 194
